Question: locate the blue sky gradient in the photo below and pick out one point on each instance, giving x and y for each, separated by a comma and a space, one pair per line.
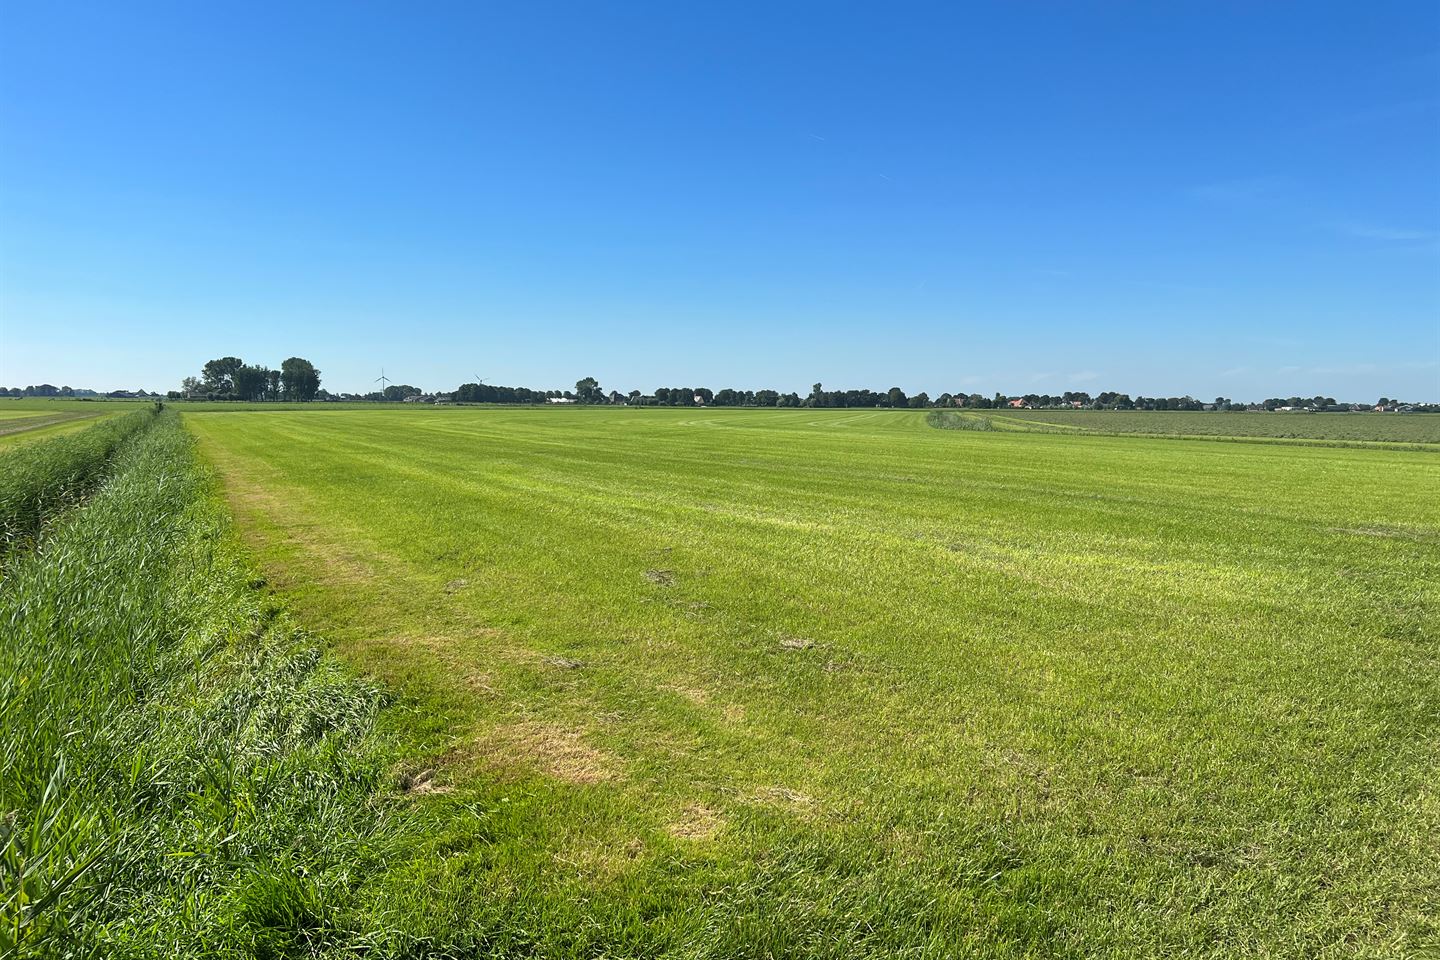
1232, 199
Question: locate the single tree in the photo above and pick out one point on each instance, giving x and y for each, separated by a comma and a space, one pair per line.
219, 374
299, 380
588, 390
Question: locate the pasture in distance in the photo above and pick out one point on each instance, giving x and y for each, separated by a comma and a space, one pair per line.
1347, 428
836, 683
22, 422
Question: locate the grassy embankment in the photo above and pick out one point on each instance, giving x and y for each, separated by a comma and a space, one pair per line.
181, 772
833, 683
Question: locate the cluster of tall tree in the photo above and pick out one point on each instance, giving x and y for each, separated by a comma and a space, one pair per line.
43, 390
1316, 402
491, 393
230, 378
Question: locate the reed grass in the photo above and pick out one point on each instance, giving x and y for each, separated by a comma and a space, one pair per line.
182, 772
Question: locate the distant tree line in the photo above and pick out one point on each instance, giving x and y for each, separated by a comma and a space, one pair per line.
492, 393
50, 390
589, 391
230, 378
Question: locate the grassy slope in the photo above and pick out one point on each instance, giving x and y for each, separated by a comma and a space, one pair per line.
835, 683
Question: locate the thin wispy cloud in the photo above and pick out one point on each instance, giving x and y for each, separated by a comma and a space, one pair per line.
1084, 376
1239, 190
1365, 231
1361, 369
1366, 369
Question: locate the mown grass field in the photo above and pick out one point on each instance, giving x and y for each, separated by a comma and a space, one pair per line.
23, 421
834, 683
1347, 427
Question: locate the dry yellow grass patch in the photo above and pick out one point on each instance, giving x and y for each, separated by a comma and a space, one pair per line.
697, 822
694, 694
552, 749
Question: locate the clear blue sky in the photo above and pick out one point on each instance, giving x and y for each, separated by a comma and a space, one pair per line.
1205, 198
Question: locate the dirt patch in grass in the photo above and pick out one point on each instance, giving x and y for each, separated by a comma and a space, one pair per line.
661, 578
796, 643
565, 663
481, 683
785, 796
421, 783
553, 750
694, 694
697, 822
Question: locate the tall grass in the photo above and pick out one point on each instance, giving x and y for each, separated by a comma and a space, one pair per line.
182, 773
952, 420
55, 474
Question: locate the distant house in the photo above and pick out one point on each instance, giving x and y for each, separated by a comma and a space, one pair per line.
617, 397
561, 400
1017, 402
699, 400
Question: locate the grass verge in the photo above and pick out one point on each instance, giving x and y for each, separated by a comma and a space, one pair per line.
182, 772
54, 475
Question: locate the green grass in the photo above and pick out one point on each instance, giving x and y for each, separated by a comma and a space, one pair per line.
25, 426
52, 428
1358, 428
837, 684
955, 420
53, 476
182, 773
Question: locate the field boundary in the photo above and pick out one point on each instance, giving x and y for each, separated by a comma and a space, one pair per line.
1003, 423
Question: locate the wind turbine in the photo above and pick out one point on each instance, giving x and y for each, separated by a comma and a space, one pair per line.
383, 380
480, 380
